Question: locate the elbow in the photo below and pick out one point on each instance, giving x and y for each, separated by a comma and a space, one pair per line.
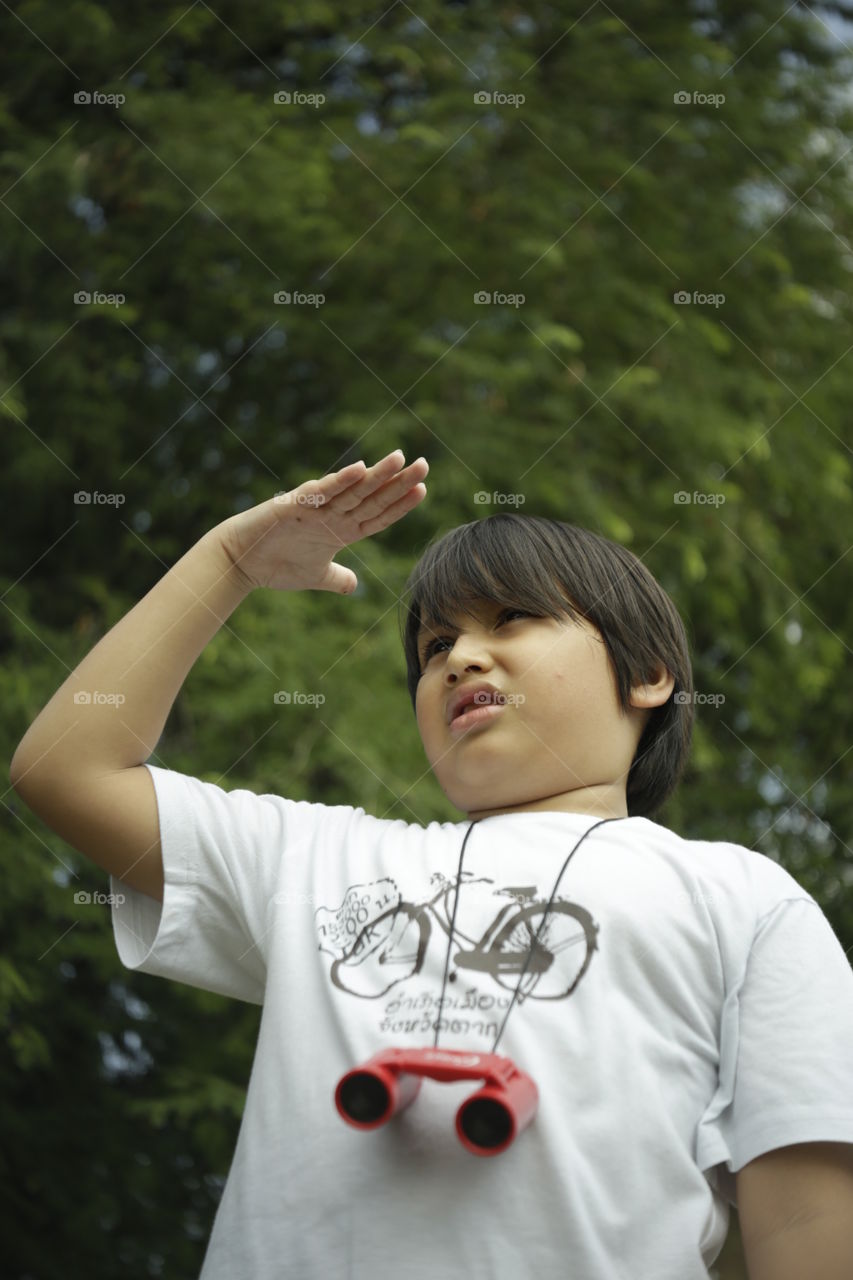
17, 769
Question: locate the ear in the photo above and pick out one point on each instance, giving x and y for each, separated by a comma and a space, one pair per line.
656, 691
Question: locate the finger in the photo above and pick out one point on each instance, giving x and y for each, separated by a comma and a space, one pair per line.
387, 517
379, 500
385, 466
338, 482
340, 579
376, 478
379, 474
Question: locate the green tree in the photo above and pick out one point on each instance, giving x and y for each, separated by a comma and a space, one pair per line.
596, 399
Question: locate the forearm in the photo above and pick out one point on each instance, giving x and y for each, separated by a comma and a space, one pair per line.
140, 665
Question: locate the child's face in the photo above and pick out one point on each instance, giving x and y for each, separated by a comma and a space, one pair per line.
562, 740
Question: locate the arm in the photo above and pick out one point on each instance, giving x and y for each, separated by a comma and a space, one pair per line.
80, 765
144, 659
795, 1206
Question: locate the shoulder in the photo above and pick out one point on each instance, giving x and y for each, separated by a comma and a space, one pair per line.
737, 889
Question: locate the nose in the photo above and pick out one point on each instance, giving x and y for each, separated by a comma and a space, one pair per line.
457, 659
469, 666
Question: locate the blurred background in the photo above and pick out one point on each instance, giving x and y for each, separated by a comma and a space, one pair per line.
591, 260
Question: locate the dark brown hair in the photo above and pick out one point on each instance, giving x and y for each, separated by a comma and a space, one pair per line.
554, 569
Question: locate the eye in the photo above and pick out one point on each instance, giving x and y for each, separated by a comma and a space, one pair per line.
429, 649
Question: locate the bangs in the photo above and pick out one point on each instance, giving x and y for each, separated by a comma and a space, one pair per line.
473, 565
452, 585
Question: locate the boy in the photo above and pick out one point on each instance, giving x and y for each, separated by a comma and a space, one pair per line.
683, 1007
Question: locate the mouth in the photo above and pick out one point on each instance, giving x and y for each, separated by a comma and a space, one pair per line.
473, 695
474, 714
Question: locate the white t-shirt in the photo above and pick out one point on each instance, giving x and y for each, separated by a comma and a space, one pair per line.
697, 1012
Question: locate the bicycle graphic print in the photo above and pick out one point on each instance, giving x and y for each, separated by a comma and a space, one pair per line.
379, 940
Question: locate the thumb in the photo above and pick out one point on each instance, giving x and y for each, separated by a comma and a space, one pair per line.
339, 579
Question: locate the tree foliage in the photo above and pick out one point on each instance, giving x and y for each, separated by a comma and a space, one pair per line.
600, 399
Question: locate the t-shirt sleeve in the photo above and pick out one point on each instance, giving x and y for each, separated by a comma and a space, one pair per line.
786, 1046
224, 853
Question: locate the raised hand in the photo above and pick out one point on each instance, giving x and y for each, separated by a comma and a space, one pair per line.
288, 543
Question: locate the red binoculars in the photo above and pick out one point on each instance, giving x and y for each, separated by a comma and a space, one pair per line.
486, 1123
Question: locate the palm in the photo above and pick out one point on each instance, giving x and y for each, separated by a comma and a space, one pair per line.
288, 542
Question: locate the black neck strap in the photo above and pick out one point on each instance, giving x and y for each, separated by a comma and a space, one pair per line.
535, 941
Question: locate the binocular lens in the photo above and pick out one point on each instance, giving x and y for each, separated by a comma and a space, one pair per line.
486, 1123
364, 1097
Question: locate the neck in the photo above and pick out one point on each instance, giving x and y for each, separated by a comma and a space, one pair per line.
603, 801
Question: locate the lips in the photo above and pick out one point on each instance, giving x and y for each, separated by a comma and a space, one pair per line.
473, 717
480, 694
